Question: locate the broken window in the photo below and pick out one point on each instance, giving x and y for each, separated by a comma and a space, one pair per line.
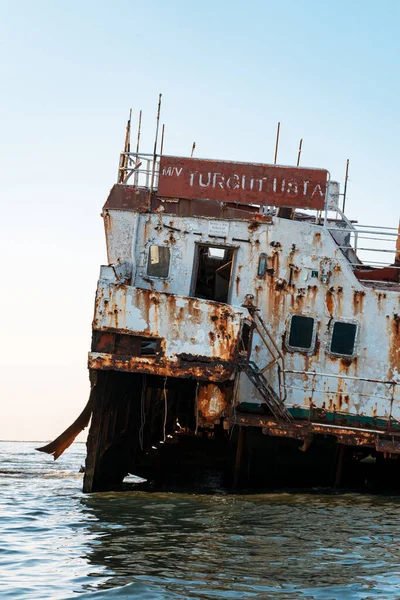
301, 333
158, 261
212, 272
343, 338
125, 344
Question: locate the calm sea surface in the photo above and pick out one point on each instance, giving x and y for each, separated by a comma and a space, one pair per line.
56, 542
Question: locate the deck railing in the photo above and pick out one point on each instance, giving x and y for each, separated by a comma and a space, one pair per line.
383, 390
139, 169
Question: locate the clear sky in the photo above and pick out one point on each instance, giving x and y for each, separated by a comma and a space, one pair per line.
228, 71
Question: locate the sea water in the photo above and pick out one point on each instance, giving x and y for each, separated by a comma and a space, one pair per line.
56, 542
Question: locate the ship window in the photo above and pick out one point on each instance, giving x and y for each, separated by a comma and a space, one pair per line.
158, 262
212, 272
343, 338
262, 265
301, 333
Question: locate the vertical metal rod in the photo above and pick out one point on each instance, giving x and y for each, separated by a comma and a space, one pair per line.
299, 151
326, 200
397, 255
239, 452
155, 143
277, 142
138, 133
123, 163
137, 146
127, 146
162, 139
193, 147
345, 184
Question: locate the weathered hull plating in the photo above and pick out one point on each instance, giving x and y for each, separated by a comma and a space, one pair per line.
364, 386
197, 357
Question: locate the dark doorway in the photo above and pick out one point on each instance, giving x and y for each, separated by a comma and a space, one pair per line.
212, 270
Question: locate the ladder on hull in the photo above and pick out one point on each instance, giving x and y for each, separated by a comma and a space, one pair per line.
275, 402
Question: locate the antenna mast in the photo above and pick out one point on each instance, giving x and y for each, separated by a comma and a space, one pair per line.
277, 142
299, 152
123, 163
155, 143
162, 139
345, 184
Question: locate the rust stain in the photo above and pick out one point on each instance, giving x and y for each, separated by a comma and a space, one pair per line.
358, 301
253, 226
330, 302
380, 297
317, 239
344, 435
237, 285
207, 370
394, 345
211, 401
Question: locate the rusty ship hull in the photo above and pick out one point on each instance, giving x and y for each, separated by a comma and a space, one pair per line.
233, 332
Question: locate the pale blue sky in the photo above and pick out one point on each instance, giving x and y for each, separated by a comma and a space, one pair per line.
228, 71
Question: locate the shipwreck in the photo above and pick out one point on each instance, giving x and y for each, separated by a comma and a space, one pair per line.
242, 326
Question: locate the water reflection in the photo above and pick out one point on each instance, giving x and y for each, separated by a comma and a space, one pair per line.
275, 546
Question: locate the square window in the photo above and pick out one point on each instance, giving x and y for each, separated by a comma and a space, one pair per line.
158, 262
301, 333
343, 338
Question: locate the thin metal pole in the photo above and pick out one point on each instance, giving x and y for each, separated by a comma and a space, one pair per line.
193, 147
397, 255
127, 148
138, 133
299, 151
277, 142
137, 146
155, 143
162, 139
345, 184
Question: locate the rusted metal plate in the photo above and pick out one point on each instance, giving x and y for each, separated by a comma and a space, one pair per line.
206, 208
127, 197
217, 370
197, 337
301, 430
211, 401
243, 183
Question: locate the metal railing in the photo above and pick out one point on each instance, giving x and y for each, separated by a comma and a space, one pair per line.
368, 246
139, 169
391, 387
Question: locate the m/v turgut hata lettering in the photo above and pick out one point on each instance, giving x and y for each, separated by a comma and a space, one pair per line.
277, 186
